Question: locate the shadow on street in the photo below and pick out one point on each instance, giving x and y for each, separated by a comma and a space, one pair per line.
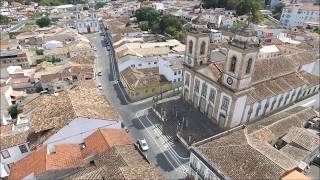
161, 158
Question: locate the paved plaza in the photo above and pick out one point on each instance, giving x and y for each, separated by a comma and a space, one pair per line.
180, 117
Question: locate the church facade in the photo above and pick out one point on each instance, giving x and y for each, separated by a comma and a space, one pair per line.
240, 88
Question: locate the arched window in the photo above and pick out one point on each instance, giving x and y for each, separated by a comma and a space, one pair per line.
249, 66
190, 47
202, 48
233, 64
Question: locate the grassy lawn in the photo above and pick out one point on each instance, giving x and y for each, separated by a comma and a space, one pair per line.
28, 26
266, 21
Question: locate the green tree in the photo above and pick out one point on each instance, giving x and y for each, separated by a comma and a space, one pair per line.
277, 11
228, 4
170, 21
241, 6
13, 111
39, 51
147, 14
249, 6
238, 26
5, 19
143, 25
43, 22
99, 5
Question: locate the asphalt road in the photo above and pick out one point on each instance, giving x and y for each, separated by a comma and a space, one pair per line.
168, 155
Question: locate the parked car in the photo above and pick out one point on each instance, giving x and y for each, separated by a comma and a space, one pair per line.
99, 86
142, 143
94, 48
99, 73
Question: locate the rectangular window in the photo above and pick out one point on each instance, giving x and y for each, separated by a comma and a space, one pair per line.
212, 95
179, 79
139, 65
201, 171
23, 148
258, 109
175, 73
249, 113
225, 103
281, 98
155, 62
187, 80
179, 72
174, 80
293, 94
5, 154
287, 97
132, 65
204, 90
196, 86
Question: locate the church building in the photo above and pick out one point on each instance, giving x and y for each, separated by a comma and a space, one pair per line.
238, 87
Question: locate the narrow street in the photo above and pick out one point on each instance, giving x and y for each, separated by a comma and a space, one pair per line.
167, 155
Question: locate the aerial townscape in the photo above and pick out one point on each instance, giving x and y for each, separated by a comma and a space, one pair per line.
160, 89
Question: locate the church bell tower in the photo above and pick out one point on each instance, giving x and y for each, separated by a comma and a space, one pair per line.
241, 58
196, 53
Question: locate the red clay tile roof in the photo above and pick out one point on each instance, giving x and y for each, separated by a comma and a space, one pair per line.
103, 139
33, 163
65, 156
18, 80
310, 8
5, 128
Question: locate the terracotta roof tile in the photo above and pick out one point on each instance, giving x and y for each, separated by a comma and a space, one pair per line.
103, 139
13, 139
119, 162
138, 78
38, 162
226, 151
52, 112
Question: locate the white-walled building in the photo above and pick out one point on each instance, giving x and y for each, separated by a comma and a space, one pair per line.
144, 55
297, 15
241, 87
52, 45
172, 69
65, 117
269, 52
215, 36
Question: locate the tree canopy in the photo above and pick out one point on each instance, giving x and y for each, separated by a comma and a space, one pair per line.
147, 14
150, 19
5, 19
43, 22
13, 111
277, 11
240, 6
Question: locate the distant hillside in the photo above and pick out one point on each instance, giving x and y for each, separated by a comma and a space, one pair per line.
49, 2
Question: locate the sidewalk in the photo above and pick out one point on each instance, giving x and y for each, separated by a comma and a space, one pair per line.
179, 116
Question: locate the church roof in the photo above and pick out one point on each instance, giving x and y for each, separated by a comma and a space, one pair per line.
225, 151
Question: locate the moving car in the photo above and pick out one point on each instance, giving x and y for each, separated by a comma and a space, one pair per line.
99, 86
143, 145
94, 48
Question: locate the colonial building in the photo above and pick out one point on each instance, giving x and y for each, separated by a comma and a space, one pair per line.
85, 21
240, 87
268, 149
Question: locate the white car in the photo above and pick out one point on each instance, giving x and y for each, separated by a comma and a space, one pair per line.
94, 48
143, 145
99, 86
